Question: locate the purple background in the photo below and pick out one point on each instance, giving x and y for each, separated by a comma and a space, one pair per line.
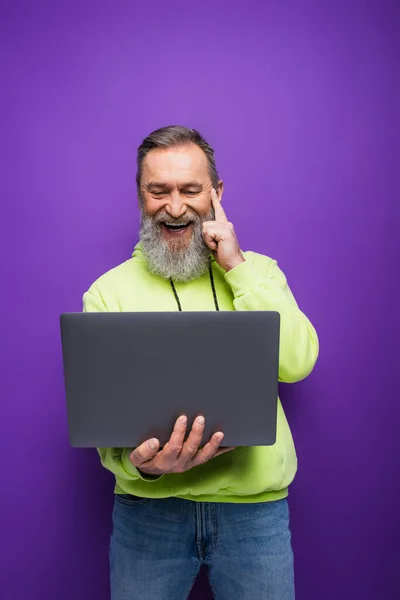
300, 101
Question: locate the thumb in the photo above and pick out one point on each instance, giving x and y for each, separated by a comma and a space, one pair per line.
144, 452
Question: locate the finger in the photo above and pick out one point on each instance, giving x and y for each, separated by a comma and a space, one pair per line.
210, 240
219, 229
144, 452
193, 442
214, 232
220, 215
210, 450
174, 445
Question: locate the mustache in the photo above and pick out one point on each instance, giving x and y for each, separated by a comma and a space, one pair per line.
183, 220
188, 217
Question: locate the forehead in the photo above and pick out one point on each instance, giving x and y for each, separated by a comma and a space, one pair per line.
175, 164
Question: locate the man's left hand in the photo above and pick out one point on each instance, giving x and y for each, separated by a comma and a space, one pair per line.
220, 237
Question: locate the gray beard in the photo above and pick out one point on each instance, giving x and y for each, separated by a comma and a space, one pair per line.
176, 259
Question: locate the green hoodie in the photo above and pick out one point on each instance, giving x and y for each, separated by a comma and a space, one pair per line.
246, 474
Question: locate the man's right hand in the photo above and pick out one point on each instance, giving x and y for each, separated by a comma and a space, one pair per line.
178, 456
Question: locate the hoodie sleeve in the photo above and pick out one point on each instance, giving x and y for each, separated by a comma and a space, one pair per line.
259, 284
115, 460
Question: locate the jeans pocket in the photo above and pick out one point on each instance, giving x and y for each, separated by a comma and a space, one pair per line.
129, 500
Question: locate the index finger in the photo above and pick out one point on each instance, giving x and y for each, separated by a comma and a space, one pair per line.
220, 215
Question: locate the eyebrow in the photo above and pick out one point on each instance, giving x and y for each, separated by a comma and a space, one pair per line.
196, 184
164, 184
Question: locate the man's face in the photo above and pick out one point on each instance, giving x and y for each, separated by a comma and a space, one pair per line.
175, 195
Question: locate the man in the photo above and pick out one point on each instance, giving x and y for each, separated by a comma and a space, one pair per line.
198, 503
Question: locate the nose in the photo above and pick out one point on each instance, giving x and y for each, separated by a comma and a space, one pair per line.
175, 206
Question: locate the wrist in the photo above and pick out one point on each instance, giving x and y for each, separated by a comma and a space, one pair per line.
236, 262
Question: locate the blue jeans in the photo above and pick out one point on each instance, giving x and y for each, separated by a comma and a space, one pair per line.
158, 546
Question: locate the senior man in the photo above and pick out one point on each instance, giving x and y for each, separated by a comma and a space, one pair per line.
196, 502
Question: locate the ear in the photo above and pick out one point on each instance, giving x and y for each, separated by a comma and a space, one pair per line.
220, 190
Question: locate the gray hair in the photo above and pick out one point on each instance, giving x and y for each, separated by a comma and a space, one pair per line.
172, 137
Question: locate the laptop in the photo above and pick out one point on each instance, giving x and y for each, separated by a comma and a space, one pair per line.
129, 376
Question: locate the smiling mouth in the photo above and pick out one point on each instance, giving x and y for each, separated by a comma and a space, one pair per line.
175, 227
